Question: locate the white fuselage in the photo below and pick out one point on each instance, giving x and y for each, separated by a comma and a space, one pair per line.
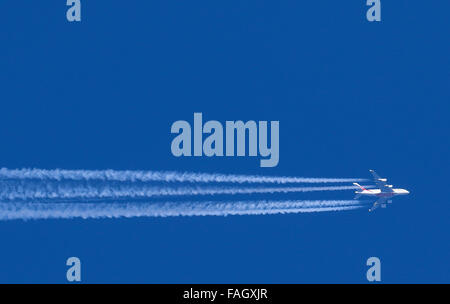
378, 193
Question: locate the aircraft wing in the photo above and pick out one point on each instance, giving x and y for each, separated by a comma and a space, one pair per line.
380, 202
381, 182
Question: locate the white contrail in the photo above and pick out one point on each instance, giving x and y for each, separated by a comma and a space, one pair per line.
51, 190
161, 176
24, 211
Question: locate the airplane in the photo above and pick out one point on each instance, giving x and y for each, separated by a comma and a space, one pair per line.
384, 193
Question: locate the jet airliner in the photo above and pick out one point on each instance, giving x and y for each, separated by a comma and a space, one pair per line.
384, 193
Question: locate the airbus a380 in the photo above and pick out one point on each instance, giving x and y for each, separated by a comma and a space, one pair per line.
384, 193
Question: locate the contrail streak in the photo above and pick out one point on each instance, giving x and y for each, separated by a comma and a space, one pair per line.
161, 176
25, 211
13, 190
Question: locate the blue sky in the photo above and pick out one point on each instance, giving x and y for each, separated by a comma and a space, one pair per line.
350, 96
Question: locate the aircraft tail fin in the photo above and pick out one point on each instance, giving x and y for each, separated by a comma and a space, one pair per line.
358, 185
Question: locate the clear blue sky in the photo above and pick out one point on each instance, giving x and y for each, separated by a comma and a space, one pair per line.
350, 96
